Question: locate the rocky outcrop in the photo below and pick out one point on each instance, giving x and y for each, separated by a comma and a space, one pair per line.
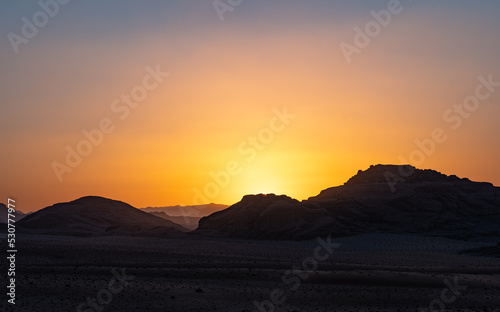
423, 202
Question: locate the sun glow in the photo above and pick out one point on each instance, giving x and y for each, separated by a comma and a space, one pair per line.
261, 182
224, 86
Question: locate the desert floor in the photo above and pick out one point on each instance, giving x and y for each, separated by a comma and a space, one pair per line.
376, 272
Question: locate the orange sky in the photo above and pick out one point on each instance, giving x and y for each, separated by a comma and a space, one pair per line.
226, 80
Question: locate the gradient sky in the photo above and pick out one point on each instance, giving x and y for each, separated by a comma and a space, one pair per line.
225, 80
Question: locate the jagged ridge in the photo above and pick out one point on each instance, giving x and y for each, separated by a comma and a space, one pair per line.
426, 202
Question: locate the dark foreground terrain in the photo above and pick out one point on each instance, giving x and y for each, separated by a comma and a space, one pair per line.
371, 272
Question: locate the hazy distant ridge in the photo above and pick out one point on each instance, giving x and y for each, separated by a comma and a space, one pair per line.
188, 211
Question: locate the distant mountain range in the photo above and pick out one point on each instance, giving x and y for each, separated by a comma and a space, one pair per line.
423, 202
190, 223
197, 211
187, 216
92, 215
3, 214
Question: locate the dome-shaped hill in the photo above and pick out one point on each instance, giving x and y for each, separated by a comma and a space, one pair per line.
94, 215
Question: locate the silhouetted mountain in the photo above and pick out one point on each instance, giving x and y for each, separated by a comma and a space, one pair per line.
3, 214
89, 216
426, 202
190, 223
188, 211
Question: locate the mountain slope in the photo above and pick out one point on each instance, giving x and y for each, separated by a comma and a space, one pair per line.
89, 216
426, 202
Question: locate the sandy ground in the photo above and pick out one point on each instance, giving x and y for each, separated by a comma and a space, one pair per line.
376, 272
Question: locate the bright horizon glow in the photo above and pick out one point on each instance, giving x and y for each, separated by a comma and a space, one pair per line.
225, 81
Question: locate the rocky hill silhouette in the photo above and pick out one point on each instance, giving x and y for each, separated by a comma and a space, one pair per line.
383, 198
92, 215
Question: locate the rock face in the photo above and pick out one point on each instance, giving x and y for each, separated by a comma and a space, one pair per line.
89, 216
262, 216
423, 202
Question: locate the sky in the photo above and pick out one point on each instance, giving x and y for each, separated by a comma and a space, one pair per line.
161, 103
